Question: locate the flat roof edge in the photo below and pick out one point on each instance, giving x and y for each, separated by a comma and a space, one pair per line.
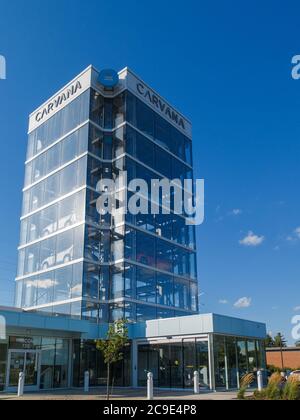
90, 67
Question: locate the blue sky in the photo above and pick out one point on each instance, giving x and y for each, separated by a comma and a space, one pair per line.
226, 65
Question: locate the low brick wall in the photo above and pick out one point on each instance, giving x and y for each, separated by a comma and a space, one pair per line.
291, 357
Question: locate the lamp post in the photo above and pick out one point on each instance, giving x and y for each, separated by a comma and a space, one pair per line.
281, 354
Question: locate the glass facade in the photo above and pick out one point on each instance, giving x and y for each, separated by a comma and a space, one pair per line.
44, 360
173, 364
74, 261
58, 362
3, 359
88, 358
234, 357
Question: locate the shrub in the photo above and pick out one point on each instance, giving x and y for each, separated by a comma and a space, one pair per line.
246, 381
273, 390
291, 390
260, 395
278, 389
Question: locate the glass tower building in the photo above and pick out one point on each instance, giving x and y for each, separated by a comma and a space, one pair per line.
80, 269
74, 261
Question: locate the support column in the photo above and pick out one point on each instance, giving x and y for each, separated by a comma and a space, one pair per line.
70, 363
211, 358
226, 365
134, 364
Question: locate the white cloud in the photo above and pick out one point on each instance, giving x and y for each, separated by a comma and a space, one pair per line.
244, 302
297, 309
295, 236
223, 302
252, 240
236, 212
297, 232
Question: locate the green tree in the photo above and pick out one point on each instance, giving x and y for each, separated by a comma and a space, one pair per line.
112, 347
280, 341
297, 344
269, 342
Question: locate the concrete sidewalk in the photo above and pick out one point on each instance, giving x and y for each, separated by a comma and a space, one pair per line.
122, 395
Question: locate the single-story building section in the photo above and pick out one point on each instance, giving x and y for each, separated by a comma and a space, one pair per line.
54, 352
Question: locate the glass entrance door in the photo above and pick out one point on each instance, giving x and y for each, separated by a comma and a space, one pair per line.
27, 362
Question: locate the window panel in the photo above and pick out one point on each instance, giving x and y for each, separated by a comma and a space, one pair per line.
39, 166
182, 294
65, 247
116, 312
53, 158
130, 281
164, 225
194, 297
165, 290
181, 262
117, 282
67, 212
178, 143
69, 148
51, 185
21, 263
119, 142
162, 132
63, 284
144, 119
165, 313
118, 246
97, 108
104, 283
77, 281
91, 281
145, 285
145, 249
60, 124
119, 110
163, 163
47, 253
130, 244
130, 141
68, 181
33, 228
130, 312
164, 256
90, 311
37, 196
146, 222
46, 284
29, 292
48, 220
188, 151
145, 150
145, 313
130, 108
19, 294
31, 259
